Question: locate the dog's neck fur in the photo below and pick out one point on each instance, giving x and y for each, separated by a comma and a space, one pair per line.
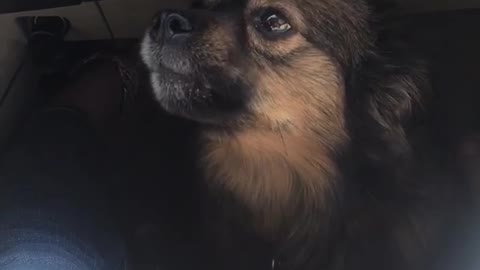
273, 175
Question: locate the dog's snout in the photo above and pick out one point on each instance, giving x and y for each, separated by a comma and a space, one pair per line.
171, 26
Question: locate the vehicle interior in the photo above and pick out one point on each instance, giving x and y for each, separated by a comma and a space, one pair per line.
446, 33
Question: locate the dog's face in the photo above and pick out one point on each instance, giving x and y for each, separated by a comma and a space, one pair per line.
286, 85
270, 64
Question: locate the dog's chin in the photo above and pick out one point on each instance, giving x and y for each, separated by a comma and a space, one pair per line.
183, 96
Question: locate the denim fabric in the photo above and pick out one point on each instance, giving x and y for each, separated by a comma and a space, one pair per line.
54, 214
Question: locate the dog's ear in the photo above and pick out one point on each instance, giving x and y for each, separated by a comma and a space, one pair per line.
391, 95
396, 104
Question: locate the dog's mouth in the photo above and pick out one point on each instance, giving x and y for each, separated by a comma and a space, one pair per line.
184, 86
182, 94
175, 82
201, 94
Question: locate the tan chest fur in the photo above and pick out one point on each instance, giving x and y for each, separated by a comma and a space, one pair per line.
270, 173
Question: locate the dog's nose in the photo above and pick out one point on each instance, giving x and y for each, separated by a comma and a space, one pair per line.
171, 26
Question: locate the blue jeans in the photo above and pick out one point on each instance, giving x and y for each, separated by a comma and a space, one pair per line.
54, 214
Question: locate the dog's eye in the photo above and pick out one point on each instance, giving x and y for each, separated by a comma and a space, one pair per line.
273, 23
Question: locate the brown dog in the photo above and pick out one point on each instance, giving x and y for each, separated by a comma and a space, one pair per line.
307, 134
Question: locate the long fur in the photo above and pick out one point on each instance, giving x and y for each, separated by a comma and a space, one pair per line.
324, 163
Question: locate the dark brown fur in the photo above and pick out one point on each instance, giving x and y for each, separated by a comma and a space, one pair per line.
316, 167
